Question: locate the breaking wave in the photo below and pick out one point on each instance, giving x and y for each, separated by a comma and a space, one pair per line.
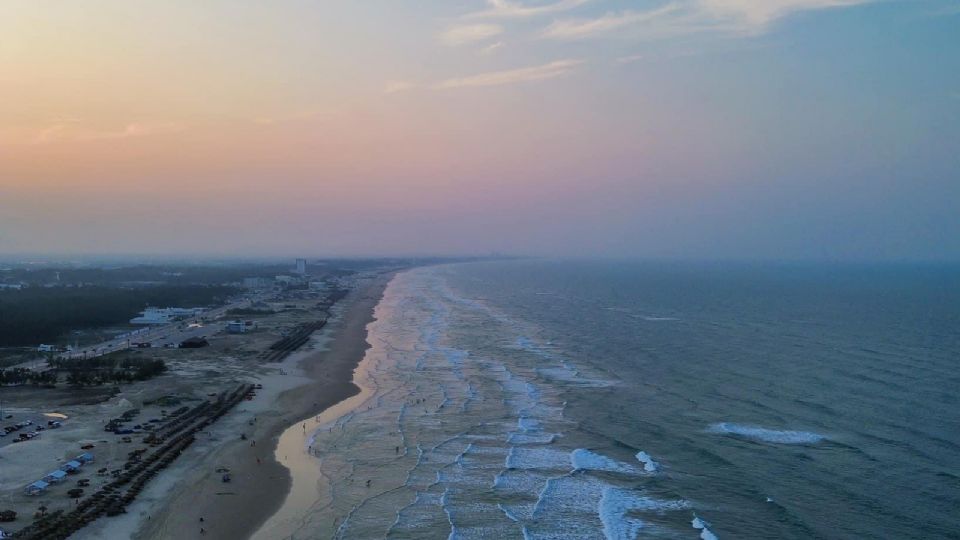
766, 435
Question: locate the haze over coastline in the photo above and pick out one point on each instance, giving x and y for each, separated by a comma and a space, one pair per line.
602, 128
473, 269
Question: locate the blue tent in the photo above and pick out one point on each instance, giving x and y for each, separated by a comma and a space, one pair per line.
36, 488
85, 457
71, 466
54, 477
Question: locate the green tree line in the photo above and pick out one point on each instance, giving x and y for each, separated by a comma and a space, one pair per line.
37, 315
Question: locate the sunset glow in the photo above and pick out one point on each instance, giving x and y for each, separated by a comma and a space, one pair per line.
554, 127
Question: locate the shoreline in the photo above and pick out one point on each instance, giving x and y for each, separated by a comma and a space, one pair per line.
293, 451
308, 383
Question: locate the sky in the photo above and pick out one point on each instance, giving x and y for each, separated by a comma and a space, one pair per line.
692, 129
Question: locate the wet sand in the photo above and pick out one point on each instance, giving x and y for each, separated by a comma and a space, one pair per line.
260, 483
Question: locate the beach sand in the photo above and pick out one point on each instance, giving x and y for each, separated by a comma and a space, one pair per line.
308, 383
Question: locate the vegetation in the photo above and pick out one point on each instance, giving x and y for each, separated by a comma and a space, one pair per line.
248, 312
139, 274
37, 315
20, 376
92, 372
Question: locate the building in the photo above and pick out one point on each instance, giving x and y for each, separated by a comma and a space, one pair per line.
257, 283
239, 327
301, 267
44, 348
153, 315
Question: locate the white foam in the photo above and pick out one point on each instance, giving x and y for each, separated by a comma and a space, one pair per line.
447, 509
649, 464
583, 459
528, 345
531, 438
615, 505
527, 424
705, 532
613, 508
766, 435
536, 458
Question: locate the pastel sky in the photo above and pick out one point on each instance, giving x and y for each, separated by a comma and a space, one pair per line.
755, 129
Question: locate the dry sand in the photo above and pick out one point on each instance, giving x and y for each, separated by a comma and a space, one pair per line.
305, 385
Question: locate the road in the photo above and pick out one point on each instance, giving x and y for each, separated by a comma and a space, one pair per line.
171, 334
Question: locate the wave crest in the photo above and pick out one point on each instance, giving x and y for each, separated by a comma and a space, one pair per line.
766, 435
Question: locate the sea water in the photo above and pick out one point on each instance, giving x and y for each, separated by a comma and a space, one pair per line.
547, 399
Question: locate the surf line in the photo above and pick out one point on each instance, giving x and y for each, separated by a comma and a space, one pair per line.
295, 447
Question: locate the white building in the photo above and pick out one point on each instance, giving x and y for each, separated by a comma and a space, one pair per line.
240, 327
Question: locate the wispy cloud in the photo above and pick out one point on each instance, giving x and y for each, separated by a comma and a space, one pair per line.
395, 87
685, 17
463, 34
512, 9
74, 130
630, 59
492, 48
759, 13
513, 76
584, 28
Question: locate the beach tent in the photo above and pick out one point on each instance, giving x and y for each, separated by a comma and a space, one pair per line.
36, 488
85, 457
71, 466
55, 477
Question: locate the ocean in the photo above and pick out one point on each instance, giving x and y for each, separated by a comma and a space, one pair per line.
617, 400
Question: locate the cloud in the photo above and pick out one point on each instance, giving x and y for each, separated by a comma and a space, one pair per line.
684, 17
630, 59
72, 130
492, 48
469, 33
584, 28
511, 9
759, 13
513, 76
394, 87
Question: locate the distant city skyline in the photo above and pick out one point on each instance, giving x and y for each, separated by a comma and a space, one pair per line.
692, 129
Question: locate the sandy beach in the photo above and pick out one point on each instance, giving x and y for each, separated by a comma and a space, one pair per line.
305, 384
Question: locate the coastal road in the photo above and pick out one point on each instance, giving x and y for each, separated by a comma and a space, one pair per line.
163, 335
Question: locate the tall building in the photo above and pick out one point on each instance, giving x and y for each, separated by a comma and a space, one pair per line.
301, 267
